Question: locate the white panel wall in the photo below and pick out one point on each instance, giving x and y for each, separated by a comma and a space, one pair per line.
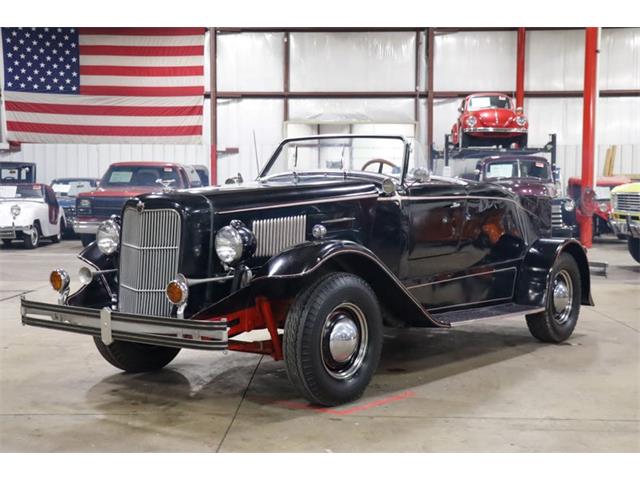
375, 110
479, 61
382, 61
554, 60
237, 121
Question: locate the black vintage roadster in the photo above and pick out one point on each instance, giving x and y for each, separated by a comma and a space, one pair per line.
339, 237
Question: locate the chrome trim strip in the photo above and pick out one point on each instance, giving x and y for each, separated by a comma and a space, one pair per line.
294, 204
339, 220
455, 307
494, 130
462, 276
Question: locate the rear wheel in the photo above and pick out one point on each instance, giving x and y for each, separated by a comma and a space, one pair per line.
32, 238
557, 322
634, 248
6, 242
333, 339
86, 239
136, 357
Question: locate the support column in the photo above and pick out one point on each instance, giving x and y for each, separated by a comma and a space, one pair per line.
520, 63
430, 62
586, 208
213, 87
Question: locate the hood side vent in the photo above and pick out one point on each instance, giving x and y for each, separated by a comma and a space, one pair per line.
277, 234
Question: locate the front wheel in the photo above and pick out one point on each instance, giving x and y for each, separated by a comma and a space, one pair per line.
136, 357
557, 322
333, 339
634, 248
32, 239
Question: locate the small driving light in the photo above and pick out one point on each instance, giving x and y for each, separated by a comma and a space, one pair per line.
15, 210
177, 290
85, 276
59, 280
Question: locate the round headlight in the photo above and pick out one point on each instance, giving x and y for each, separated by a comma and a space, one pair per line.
108, 236
471, 121
569, 205
603, 206
15, 210
228, 245
521, 120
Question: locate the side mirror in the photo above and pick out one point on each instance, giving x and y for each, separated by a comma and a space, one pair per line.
421, 174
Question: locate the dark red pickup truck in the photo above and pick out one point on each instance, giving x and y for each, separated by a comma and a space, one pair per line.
125, 180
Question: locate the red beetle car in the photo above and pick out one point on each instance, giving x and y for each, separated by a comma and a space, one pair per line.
488, 119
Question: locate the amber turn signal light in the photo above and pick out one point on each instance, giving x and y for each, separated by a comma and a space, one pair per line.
59, 280
177, 290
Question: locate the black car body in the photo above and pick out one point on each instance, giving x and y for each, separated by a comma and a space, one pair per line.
327, 255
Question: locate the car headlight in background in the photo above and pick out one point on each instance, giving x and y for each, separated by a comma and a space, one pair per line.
521, 120
15, 210
603, 206
471, 121
569, 205
108, 237
234, 242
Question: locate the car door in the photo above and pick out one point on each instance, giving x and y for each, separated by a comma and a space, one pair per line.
436, 212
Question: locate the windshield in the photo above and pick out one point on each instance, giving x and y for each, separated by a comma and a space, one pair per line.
518, 168
489, 101
33, 192
71, 188
147, 176
15, 174
384, 155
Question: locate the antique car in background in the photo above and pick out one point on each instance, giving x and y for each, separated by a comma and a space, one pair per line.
122, 181
488, 119
29, 212
66, 190
528, 176
565, 208
625, 217
323, 250
17, 172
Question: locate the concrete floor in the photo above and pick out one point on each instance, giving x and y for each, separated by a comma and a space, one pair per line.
484, 387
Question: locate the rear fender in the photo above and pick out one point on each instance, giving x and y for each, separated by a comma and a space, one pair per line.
533, 281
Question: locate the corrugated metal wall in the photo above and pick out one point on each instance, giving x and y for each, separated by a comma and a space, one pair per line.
385, 61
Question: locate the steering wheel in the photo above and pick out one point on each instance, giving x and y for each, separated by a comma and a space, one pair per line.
381, 162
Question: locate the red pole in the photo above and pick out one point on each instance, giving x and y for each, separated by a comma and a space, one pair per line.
522, 35
585, 211
213, 99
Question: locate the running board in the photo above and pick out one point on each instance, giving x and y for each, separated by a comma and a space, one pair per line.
495, 311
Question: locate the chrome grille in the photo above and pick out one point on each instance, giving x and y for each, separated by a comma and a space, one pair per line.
628, 202
276, 234
556, 215
148, 260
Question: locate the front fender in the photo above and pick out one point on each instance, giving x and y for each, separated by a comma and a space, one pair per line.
292, 270
534, 278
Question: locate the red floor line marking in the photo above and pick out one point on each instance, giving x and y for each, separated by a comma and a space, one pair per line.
348, 411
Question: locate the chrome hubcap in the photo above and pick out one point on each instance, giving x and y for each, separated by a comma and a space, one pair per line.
343, 339
562, 296
343, 344
34, 235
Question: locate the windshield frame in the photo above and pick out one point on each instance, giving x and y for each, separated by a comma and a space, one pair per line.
484, 95
405, 154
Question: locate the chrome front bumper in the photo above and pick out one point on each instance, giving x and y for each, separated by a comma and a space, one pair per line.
85, 227
493, 130
11, 233
625, 227
109, 325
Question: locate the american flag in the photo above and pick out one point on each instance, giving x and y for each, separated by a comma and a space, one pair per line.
103, 85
